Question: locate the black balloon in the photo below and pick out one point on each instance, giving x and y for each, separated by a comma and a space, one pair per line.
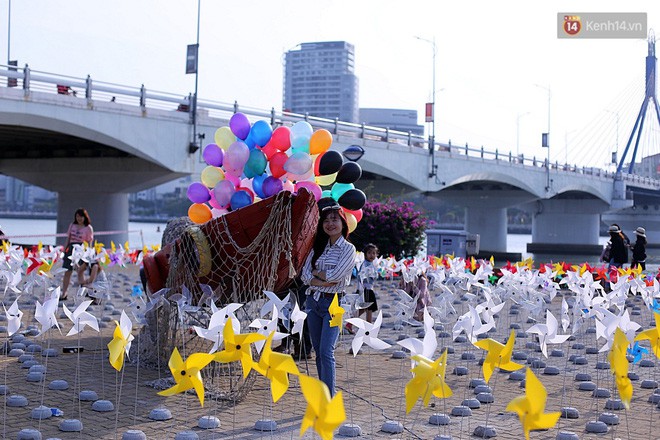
350, 172
331, 162
353, 199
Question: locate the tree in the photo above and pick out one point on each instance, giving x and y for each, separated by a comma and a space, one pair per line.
396, 228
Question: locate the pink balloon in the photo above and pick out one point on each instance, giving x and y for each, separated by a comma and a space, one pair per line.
217, 212
311, 187
223, 192
288, 186
233, 178
213, 202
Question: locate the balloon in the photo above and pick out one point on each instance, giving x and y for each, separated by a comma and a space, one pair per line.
223, 192
298, 163
217, 212
198, 193
233, 178
326, 180
330, 162
301, 130
309, 175
276, 164
338, 189
246, 190
311, 187
237, 156
350, 172
261, 132
287, 185
199, 213
351, 222
300, 145
269, 149
240, 199
357, 213
211, 176
213, 155
281, 138
224, 137
320, 141
239, 125
213, 202
256, 163
326, 193
352, 199
249, 141
257, 185
271, 186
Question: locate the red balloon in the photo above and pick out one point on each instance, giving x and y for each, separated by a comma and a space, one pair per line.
317, 162
281, 138
356, 213
269, 149
276, 164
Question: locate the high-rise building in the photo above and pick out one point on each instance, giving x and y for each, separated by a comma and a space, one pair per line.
319, 79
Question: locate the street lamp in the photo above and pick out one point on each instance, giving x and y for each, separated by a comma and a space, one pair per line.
192, 66
520, 115
353, 153
430, 116
546, 137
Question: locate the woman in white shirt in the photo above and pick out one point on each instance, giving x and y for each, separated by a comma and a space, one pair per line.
80, 231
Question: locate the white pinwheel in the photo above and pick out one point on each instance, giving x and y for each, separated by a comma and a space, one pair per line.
367, 333
14, 316
217, 324
273, 301
427, 346
548, 332
471, 324
298, 318
45, 313
80, 318
606, 327
266, 327
184, 302
406, 307
565, 317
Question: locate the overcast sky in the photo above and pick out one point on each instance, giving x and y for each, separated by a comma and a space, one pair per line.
489, 57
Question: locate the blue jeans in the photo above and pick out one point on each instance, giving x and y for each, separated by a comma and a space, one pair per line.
324, 339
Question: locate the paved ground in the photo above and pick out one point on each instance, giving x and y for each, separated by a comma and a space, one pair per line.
373, 385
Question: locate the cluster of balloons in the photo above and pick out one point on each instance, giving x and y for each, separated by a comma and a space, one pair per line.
249, 162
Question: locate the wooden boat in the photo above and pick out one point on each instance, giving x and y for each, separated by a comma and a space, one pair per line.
214, 253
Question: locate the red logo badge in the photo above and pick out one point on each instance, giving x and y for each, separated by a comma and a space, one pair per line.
572, 24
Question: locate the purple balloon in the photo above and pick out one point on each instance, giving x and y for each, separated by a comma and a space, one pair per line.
223, 191
213, 155
271, 186
239, 125
198, 193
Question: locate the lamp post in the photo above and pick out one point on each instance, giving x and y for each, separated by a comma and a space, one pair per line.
520, 115
546, 144
192, 66
432, 113
9, 32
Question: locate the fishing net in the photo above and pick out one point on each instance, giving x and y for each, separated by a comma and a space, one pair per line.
230, 259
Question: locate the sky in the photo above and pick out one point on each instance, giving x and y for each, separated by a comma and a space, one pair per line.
495, 61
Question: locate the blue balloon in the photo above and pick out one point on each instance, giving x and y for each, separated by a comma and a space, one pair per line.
240, 199
257, 185
261, 132
249, 141
338, 189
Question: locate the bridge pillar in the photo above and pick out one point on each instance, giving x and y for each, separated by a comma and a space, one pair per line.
566, 226
490, 222
107, 211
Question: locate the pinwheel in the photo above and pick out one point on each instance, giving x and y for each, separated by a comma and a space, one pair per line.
336, 313
80, 318
187, 374
323, 414
367, 333
183, 302
13, 279
214, 332
121, 341
276, 367
531, 407
565, 318
488, 308
45, 314
158, 300
498, 356
405, 307
548, 332
619, 365
14, 316
471, 324
237, 347
605, 327
427, 346
653, 335
139, 309
266, 327
428, 379
273, 301
636, 352
298, 318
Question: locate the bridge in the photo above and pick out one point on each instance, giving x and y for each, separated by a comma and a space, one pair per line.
96, 145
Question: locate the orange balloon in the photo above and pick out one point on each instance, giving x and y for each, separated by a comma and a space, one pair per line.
351, 221
320, 141
199, 213
357, 213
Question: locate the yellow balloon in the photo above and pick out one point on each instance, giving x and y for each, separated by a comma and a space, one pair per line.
351, 221
224, 137
211, 176
326, 180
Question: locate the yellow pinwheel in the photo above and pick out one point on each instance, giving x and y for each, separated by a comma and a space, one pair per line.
428, 379
530, 407
323, 414
237, 347
653, 335
619, 365
336, 313
187, 374
558, 268
528, 263
498, 356
276, 367
121, 341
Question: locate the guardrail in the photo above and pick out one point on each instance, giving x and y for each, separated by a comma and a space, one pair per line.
86, 88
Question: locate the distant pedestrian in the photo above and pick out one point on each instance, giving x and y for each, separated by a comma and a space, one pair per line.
618, 248
639, 249
366, 276
80, 231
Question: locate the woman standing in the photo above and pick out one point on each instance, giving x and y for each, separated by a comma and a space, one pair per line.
327, 271
639, 249
80, 231
618, 250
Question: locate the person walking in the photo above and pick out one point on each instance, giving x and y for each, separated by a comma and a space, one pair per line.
80, 231
327, 272
639, 249
618, 248
366, 276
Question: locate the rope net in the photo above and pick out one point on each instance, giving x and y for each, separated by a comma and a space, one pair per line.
230, 259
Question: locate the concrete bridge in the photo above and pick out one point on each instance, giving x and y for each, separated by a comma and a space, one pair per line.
107, 141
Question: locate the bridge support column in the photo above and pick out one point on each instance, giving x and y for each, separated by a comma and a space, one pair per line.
566, 227
491, 224
108, 212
